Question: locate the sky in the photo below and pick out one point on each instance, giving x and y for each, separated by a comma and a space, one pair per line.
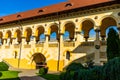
8, 7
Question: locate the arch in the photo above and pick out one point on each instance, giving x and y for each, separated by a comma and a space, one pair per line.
105, 23
67, 22
70, 27
18, 35
8, 34
86, 26
108, 16
39, 59
83, 20
51, 26
53, 29
28, 34
39, 31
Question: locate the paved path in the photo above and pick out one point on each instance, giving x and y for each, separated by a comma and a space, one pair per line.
27, 74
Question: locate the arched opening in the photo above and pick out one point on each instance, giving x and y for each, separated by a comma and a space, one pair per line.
1, 38
54, 33
66, 36
8, 37
87, 25
15, 54
53, 36
107, 30
39, 59
40, 37
69, 31
105, 25
68, 55
28, 34
92, 35
17, 35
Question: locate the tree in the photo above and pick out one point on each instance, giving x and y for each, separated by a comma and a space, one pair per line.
113, 44
111, 70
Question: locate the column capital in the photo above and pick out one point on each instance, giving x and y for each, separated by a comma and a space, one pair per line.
97, 30
61, 33
78, 32
47, 35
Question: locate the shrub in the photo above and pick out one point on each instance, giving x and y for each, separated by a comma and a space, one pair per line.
69, 75
74, 67
112, 69
3, 66
71, 71
43, 71
97, 71
76, 71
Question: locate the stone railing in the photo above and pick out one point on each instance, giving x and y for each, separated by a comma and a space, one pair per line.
53, 44
7, 47
103, 43
16, 45
27, 46
103, 55
39, 45
69, 44
87, 44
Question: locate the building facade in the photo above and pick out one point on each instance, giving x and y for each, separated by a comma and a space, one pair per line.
26, 41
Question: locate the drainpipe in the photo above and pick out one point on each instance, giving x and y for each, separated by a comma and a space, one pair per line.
58, 63
20, 27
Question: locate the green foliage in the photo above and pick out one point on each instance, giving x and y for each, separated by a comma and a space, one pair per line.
3, 66
50, 77
112, 69
113, 44
43, 71
9, 75
74, 67
68, 75
97, 71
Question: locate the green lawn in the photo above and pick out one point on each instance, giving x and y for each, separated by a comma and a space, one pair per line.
50, 76
9, 75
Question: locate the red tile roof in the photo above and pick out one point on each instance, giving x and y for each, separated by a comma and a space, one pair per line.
71, 4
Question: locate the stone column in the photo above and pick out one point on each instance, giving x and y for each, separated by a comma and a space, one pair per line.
86, 38
61, 40
16, 40
79, 37
34, 39
97, 48
4, 41
24, 40
103, 37
46, 40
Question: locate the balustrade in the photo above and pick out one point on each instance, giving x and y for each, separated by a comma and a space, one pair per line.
69, 44
27, 46
53, 44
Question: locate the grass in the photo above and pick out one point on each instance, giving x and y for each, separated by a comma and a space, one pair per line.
50, 76
9, 75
